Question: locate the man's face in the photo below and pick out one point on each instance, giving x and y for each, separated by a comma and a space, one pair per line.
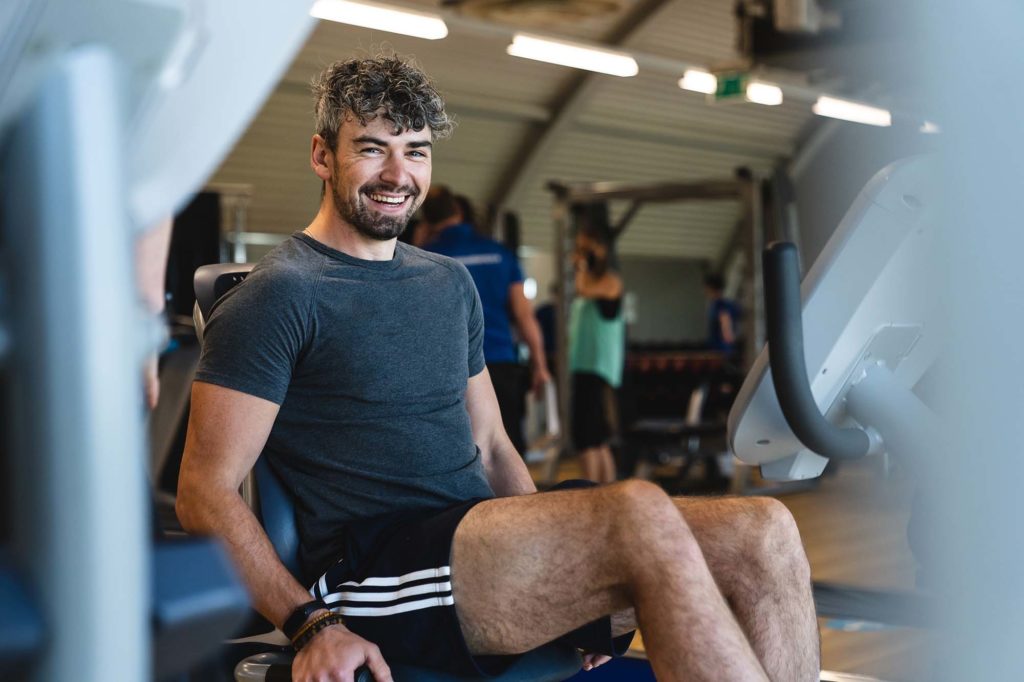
380, 179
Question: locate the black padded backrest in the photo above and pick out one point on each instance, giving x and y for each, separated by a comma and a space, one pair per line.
278, 515
210, 283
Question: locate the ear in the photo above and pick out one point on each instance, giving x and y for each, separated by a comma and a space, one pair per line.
321, 158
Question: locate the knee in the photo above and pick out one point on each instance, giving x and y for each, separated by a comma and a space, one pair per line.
775, 538
643, 514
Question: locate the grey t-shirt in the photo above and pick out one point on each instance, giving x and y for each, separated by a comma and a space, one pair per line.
369, 362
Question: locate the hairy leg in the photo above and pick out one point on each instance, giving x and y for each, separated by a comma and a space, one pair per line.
527, 569
753, 549
608, 474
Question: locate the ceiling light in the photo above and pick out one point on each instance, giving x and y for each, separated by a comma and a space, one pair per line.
699, 81
846, 110
569, 54
930, 128
764, 93
381, 18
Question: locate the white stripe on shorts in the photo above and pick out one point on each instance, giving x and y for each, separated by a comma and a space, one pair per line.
382, 597
392, 610
439, 572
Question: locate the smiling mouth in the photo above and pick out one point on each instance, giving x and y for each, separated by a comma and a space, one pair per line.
390, 200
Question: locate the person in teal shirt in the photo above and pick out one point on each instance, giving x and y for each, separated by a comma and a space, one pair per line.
597, 338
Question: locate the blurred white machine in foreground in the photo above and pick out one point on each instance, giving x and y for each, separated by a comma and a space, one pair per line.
837, 377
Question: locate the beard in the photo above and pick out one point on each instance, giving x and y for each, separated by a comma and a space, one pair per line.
370, 223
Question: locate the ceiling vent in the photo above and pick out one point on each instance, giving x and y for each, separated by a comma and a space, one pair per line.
537, 13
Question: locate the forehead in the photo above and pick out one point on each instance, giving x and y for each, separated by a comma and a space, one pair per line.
380, 128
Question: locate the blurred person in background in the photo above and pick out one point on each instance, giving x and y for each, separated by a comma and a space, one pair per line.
597, 338
499, 281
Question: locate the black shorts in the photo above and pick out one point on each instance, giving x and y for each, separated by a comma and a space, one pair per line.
393, 588
594, 413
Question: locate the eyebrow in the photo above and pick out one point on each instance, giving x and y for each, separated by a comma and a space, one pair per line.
369, 139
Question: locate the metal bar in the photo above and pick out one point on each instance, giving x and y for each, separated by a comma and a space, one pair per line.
563, 298
657, 192
624, 222
78, 461
756, 334
255, 238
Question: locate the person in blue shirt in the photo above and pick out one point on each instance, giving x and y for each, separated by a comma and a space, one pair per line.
723, 316
499, 281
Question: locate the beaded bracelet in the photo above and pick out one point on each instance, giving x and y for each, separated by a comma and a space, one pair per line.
314, 626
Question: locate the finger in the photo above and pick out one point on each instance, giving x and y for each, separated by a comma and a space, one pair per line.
381, 671
599, 659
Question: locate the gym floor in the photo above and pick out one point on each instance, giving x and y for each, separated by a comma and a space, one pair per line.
854, 529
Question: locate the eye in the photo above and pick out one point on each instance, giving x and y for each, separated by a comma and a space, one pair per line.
418, 154
371, 150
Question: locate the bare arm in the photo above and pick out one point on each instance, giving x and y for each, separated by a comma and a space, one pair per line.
226, 433
522, 312
150, 272
506, 471
725, 321
608, 285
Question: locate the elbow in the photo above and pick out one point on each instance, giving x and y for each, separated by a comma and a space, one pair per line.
184, 508
188, 507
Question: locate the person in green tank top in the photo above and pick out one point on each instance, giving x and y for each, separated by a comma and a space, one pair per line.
597, 340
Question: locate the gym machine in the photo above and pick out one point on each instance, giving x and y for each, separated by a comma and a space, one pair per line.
93, 97
846, 350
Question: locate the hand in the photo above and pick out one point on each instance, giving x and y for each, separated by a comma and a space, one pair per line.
151, 379
540, 377
334, 654
591, 661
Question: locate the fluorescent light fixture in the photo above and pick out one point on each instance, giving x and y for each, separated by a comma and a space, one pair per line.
569, 54
764, 93
530, 288
930, 128
381, 18
699, 81
833, 107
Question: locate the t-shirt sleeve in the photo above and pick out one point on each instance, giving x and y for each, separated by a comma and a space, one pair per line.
255, 335
515, 273
475, 323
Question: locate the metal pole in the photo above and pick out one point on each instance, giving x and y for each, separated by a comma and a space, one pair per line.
78, 461
563, 285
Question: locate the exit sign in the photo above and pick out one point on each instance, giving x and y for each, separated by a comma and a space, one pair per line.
732, 86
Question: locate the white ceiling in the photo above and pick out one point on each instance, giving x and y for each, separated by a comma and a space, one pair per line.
512, 139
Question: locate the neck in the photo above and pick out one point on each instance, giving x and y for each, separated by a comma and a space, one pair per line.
328, 228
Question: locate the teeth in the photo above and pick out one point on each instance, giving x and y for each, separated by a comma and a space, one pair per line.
387, 200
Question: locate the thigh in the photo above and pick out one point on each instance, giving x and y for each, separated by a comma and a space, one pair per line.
528, 569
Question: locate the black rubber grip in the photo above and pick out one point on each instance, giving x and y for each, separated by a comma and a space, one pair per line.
789, 369
283, 673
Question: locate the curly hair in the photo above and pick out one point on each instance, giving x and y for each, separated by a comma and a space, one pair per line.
381, 86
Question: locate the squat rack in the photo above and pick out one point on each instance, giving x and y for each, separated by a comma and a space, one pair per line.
748, 238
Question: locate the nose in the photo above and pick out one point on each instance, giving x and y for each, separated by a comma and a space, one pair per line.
394, 172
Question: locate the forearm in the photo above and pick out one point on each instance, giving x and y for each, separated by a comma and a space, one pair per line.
530, 331
223, 514
506, 471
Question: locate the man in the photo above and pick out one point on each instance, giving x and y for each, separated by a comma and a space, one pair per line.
499, 282
354, 364
723, 314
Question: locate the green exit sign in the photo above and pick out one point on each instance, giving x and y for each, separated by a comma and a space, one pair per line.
731, 86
